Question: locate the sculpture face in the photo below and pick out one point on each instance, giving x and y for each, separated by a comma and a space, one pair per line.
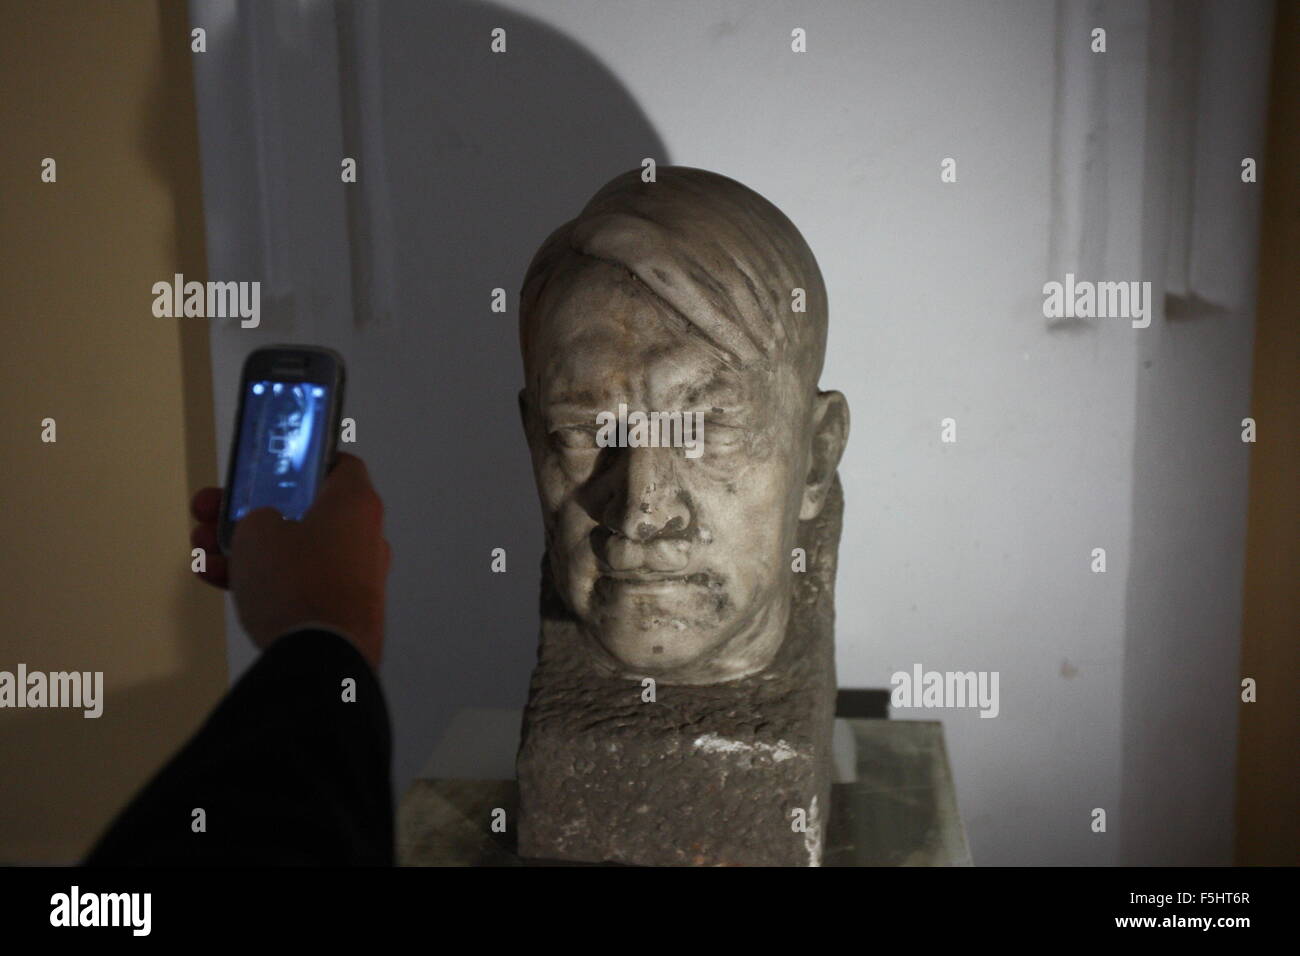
674, 566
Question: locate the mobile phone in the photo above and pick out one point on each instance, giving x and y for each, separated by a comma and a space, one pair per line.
286, 433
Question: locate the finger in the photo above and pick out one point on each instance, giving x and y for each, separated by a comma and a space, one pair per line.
262, 525
205, 536
217, 572
347, 476
206, 504
345, 487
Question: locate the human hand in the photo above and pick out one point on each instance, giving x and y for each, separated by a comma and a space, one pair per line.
329, 569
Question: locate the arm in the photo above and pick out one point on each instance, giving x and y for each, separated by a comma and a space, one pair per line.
294, 764
285, 770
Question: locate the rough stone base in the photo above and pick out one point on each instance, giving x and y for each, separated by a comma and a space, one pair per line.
896, 807
708, 775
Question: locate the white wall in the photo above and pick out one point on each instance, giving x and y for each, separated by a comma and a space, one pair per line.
963, 556
1184, 605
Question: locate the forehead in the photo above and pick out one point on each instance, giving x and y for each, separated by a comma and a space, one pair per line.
606, 335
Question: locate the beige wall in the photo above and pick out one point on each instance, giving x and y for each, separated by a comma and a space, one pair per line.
1268, 769
94, 561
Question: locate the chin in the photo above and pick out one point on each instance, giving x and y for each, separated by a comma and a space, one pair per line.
636, 655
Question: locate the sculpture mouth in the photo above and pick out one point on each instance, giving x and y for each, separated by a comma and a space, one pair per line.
658, 579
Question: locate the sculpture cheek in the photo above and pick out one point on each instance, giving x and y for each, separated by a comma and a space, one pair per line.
558, 475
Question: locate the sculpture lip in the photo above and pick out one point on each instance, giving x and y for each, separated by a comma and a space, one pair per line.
648, 577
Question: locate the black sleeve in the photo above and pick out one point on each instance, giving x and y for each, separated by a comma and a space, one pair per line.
286, 770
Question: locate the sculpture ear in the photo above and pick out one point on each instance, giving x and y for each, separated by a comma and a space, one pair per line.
830, 433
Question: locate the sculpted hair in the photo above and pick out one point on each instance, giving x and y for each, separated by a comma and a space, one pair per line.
722, 257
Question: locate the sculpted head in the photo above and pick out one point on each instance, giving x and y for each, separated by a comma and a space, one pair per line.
678, 296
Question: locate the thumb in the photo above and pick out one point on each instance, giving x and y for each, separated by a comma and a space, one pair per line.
347, 485
257, 526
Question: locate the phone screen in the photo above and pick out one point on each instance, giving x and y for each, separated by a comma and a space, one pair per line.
282, 441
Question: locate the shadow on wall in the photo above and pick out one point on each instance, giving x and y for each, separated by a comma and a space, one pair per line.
485, 155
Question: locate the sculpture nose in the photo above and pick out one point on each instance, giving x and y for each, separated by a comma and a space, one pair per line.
651, 504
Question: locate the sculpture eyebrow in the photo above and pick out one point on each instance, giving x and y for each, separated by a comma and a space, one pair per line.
721, 389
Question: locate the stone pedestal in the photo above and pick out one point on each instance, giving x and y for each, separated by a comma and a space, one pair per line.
892, 804
737, 773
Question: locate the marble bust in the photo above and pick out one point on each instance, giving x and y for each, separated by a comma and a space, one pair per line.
679, 566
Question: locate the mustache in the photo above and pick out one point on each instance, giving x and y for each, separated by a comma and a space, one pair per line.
615, 553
